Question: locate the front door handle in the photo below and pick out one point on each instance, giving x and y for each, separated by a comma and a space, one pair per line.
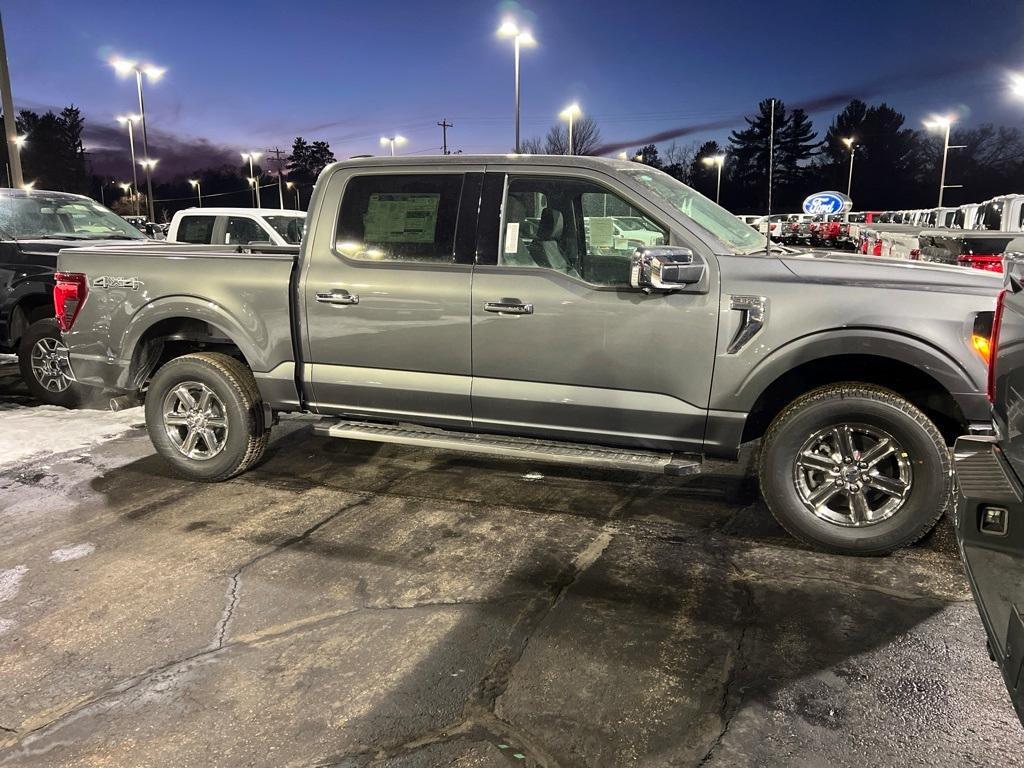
337, 296
509, 307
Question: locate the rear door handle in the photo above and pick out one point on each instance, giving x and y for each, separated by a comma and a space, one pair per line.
337, 296
508, 307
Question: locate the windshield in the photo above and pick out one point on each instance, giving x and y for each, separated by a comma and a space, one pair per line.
714, 218
288, 227
38, 217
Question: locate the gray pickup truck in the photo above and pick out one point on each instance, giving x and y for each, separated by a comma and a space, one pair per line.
491, 304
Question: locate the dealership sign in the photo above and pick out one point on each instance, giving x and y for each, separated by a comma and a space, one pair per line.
827, 202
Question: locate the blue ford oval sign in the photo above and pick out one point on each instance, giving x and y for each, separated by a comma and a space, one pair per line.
827, 202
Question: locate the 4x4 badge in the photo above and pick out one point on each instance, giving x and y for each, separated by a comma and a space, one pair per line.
117, 282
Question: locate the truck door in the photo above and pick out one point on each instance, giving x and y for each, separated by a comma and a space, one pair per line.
386, 294
563, 348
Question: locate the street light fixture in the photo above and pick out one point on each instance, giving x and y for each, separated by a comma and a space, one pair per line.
19, 141
943, 123
1017, 85
521, 38
252, 157
125, 67
291, 185
129, 120
392, 141
851, 144
718, 160
199, 190
570, 113
28, 186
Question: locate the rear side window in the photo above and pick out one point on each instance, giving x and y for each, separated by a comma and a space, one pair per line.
242, 231
409, 217
196, 229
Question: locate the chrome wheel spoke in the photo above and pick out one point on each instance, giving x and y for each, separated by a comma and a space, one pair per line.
844, 442
204, 400
175, 419
188, 445
860, 512
890, 486
881, 450
823, 494
216, 422
816, 462
210, 439
185, 397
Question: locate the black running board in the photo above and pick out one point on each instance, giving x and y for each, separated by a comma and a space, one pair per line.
514, 447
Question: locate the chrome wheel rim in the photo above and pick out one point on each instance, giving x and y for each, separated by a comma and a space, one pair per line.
853, 475
195, 420
50, 365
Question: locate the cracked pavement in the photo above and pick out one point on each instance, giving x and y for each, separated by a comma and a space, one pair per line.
352, 604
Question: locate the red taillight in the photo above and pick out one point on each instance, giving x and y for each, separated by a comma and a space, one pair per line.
986, 261
876, 250
69, 294
993, 346
771, 227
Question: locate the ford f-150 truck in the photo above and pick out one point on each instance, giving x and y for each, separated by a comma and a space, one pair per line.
486, 304
990, 501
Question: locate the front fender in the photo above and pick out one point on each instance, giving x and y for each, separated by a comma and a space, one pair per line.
962, 379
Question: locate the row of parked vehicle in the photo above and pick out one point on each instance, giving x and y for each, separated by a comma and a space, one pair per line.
805, 230
974, 235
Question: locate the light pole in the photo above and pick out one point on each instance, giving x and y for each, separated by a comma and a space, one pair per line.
127, 189
852, 146
129, 120
124, 67
293, 185
943, 123
718, 160
521, 38
392, 140
199, 190
148, 164
19, 142
253, 157
570, 113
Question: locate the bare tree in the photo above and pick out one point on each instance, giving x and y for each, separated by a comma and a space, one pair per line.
534, 146
586, 137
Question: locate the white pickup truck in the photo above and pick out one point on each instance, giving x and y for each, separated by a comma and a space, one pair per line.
237, 226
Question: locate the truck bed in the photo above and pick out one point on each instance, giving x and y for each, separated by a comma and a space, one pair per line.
243, 293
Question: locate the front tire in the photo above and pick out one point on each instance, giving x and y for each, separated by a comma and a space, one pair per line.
205, 416
855, 469
44, 364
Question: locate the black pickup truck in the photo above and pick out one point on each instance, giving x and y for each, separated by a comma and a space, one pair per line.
990, 503
34, 226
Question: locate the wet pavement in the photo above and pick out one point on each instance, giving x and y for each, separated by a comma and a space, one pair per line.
351, 604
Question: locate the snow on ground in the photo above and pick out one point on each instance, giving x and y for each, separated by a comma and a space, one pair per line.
27, 431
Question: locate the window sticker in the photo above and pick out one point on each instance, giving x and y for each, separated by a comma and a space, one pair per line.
399, 217
512, 237
602, 231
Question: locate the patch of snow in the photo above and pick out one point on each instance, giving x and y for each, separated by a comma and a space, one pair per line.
10, 581
72, 553
6, 625
531, 476
26, 431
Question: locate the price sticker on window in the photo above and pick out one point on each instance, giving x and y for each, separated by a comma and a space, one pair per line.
512, 237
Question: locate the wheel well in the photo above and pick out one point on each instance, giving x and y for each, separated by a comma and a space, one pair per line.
174, 337
915, 385
30, 309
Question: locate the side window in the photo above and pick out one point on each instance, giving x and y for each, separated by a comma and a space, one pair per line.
242, 231
196, 229
575, 227
408, 218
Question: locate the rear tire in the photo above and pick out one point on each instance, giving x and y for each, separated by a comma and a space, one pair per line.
205, 416
820, 448
43, 360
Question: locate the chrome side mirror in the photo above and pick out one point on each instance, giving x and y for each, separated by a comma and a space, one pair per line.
665, 268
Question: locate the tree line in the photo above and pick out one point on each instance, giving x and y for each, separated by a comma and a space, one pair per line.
895, 166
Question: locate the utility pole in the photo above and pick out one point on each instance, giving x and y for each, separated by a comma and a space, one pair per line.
10, 126
445, 125
280, 185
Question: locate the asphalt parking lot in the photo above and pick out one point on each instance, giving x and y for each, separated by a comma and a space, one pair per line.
352, 604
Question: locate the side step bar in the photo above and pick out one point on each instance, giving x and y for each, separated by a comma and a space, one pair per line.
513, 447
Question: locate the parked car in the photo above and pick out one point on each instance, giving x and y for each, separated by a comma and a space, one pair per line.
237, 226
34, 226
421, 312
990, 500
